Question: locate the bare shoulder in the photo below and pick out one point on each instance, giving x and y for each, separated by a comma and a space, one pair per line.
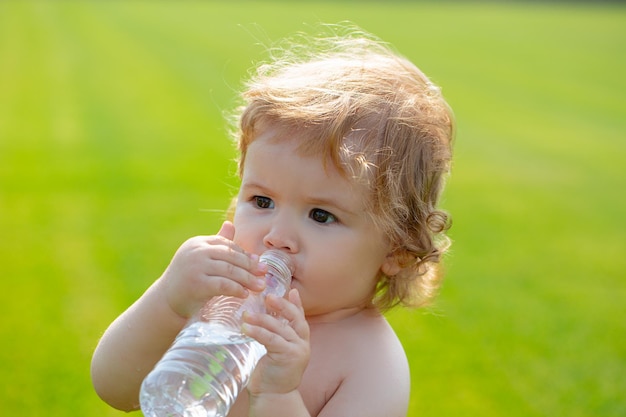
377, 351
366, 367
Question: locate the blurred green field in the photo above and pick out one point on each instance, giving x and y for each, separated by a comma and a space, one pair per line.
113, 150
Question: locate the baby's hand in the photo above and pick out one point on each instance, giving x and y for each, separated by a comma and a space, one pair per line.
207, 266
285, 334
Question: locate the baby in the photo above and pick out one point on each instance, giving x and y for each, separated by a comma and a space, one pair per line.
344, 150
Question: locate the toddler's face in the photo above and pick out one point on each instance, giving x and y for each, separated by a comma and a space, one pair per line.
290, 202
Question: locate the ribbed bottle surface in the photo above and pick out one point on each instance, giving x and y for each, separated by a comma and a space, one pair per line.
210, 362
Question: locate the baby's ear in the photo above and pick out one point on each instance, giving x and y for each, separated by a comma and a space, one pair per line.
393, 263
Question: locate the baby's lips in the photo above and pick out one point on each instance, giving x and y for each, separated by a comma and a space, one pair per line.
293, 279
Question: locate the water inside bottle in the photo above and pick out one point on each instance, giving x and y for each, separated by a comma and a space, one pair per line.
205, 360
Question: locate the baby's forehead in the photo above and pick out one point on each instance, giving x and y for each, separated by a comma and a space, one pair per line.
351, 156
315, 170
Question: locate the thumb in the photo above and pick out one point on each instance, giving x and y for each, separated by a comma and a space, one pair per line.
227, 230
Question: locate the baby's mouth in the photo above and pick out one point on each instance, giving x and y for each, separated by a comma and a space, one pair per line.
294, 279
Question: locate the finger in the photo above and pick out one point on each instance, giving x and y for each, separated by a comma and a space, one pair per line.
289, 312
272, 332
235, 254
234, 258
251, 263
294, 297
235, 271
227, 230
301, 326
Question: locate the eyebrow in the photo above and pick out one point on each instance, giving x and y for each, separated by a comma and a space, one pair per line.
253, 184
329, 202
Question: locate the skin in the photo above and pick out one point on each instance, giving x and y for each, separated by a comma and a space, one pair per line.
330, 353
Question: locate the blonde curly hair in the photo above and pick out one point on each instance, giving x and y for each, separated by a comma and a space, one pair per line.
350, 98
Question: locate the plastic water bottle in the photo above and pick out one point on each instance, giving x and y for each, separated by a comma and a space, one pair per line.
211, 361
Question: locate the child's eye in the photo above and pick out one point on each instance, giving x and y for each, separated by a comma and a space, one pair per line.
263, 202
322, 216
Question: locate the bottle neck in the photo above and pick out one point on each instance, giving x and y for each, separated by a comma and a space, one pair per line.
279, 266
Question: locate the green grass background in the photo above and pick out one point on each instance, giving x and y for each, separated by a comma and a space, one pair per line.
113, 150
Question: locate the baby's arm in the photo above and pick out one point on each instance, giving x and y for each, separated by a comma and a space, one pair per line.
203, 267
